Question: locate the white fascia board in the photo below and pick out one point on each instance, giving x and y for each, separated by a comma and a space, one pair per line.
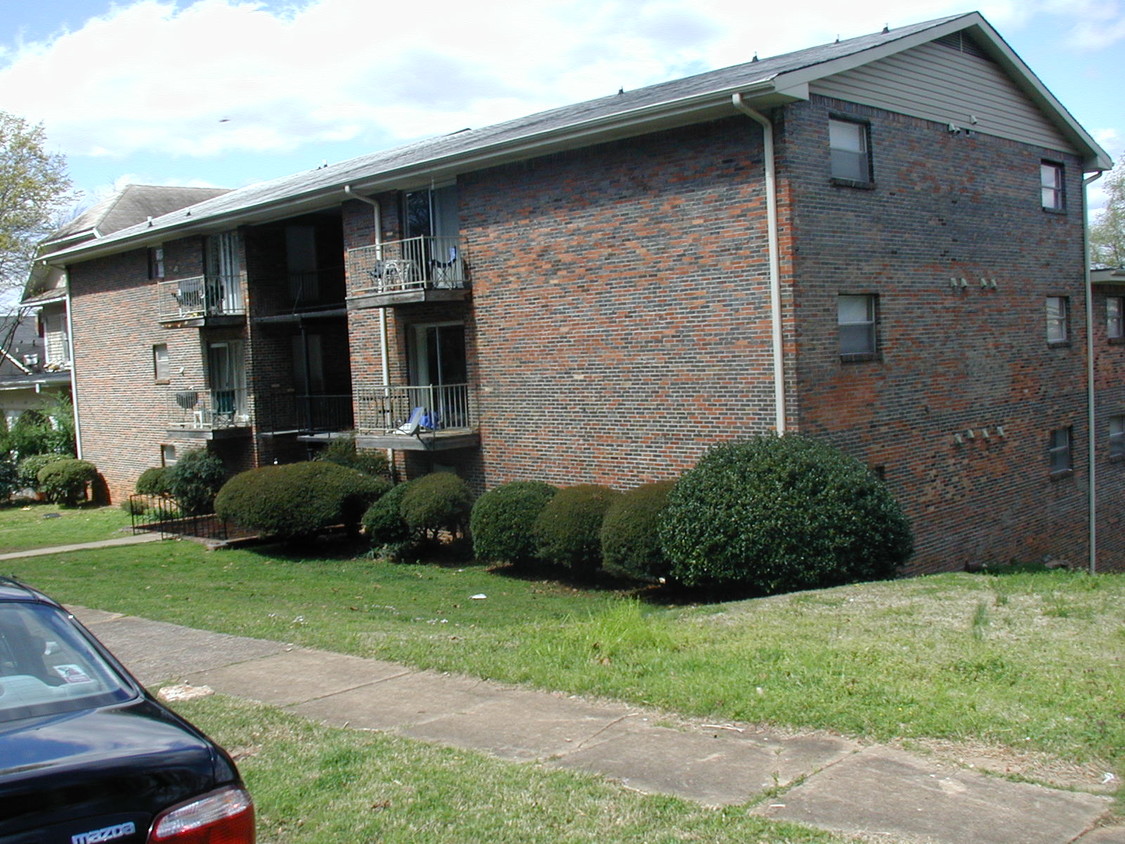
659, 116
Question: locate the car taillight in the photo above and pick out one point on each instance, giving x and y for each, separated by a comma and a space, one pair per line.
225, 816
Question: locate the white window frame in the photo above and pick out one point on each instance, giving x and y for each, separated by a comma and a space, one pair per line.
849, 327
1115, 317
1058, 451
1051, 185
161, 364
849, 147
1058, 319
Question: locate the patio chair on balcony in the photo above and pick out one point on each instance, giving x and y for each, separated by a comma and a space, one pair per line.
413, 426
445, 272
188, 400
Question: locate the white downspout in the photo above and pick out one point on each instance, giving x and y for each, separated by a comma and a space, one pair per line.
384, 341
1091, 416
73, 369
774, 252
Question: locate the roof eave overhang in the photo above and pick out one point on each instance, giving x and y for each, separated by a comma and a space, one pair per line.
1093, 156
711, 105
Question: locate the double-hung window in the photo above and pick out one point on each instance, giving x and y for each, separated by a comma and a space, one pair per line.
1057, 318
1059, 451
1115, 317
1051, 185
849, 146
856, 318
161, 369
1117, 437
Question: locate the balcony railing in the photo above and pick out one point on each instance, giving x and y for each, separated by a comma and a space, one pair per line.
199, 297
279, 413
418, 263
415, 411
208, 410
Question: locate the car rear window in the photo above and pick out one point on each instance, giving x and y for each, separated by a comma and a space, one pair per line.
48, 667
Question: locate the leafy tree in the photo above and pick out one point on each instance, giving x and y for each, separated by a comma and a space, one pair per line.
1107, 233
34, 190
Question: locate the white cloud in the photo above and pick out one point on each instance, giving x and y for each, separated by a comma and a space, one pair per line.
171, 82
218, 76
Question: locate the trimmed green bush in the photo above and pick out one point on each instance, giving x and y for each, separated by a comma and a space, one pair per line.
631, 532
134, 506
9, 478
153, 481
194, 480
777, 514
298, 500
27, 473
383, 523
436, 502
502, 520
66, 481
343, 452
568, 530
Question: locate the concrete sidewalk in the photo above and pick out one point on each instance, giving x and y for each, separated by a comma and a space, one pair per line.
879, 793
135, 539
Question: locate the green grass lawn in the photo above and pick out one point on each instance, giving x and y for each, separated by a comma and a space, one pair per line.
1024, 668
320, 785
42, 525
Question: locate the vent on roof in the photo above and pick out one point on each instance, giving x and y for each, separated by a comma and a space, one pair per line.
962, 42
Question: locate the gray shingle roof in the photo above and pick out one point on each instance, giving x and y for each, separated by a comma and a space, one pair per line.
587, 121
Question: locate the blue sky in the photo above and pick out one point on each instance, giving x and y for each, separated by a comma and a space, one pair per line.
227, 92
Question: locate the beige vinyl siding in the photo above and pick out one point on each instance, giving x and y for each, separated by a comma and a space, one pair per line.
938, 83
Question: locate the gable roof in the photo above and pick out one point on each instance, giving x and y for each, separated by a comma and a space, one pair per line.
129, 206
762, 83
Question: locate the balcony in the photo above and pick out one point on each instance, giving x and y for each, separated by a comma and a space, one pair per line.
435, 418
399, 272
300, 296
208, 414
199, 301
308, 416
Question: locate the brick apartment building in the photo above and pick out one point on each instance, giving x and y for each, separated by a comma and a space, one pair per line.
878, 241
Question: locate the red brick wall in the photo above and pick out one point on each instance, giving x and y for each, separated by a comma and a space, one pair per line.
1109, 381
952, 360
123, 411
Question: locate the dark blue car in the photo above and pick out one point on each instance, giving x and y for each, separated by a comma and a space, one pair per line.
87, 756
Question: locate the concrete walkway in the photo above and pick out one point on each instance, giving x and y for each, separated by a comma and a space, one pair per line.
876, 792
83, 546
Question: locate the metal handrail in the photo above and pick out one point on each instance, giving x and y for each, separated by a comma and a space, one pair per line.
415, 263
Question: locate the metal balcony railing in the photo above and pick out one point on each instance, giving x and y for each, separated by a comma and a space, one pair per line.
289, 413
200, 296
417, 263
208, 410
415, 411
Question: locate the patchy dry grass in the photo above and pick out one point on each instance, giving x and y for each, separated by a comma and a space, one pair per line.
1025, 669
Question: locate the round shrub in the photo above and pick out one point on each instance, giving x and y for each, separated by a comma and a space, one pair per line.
343, 452
153, 481
134, 507
383, 523
631, 532
297, 499
194, 479
568, 530
782, 513
436, 502
27, 472
502, 520
66, 481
